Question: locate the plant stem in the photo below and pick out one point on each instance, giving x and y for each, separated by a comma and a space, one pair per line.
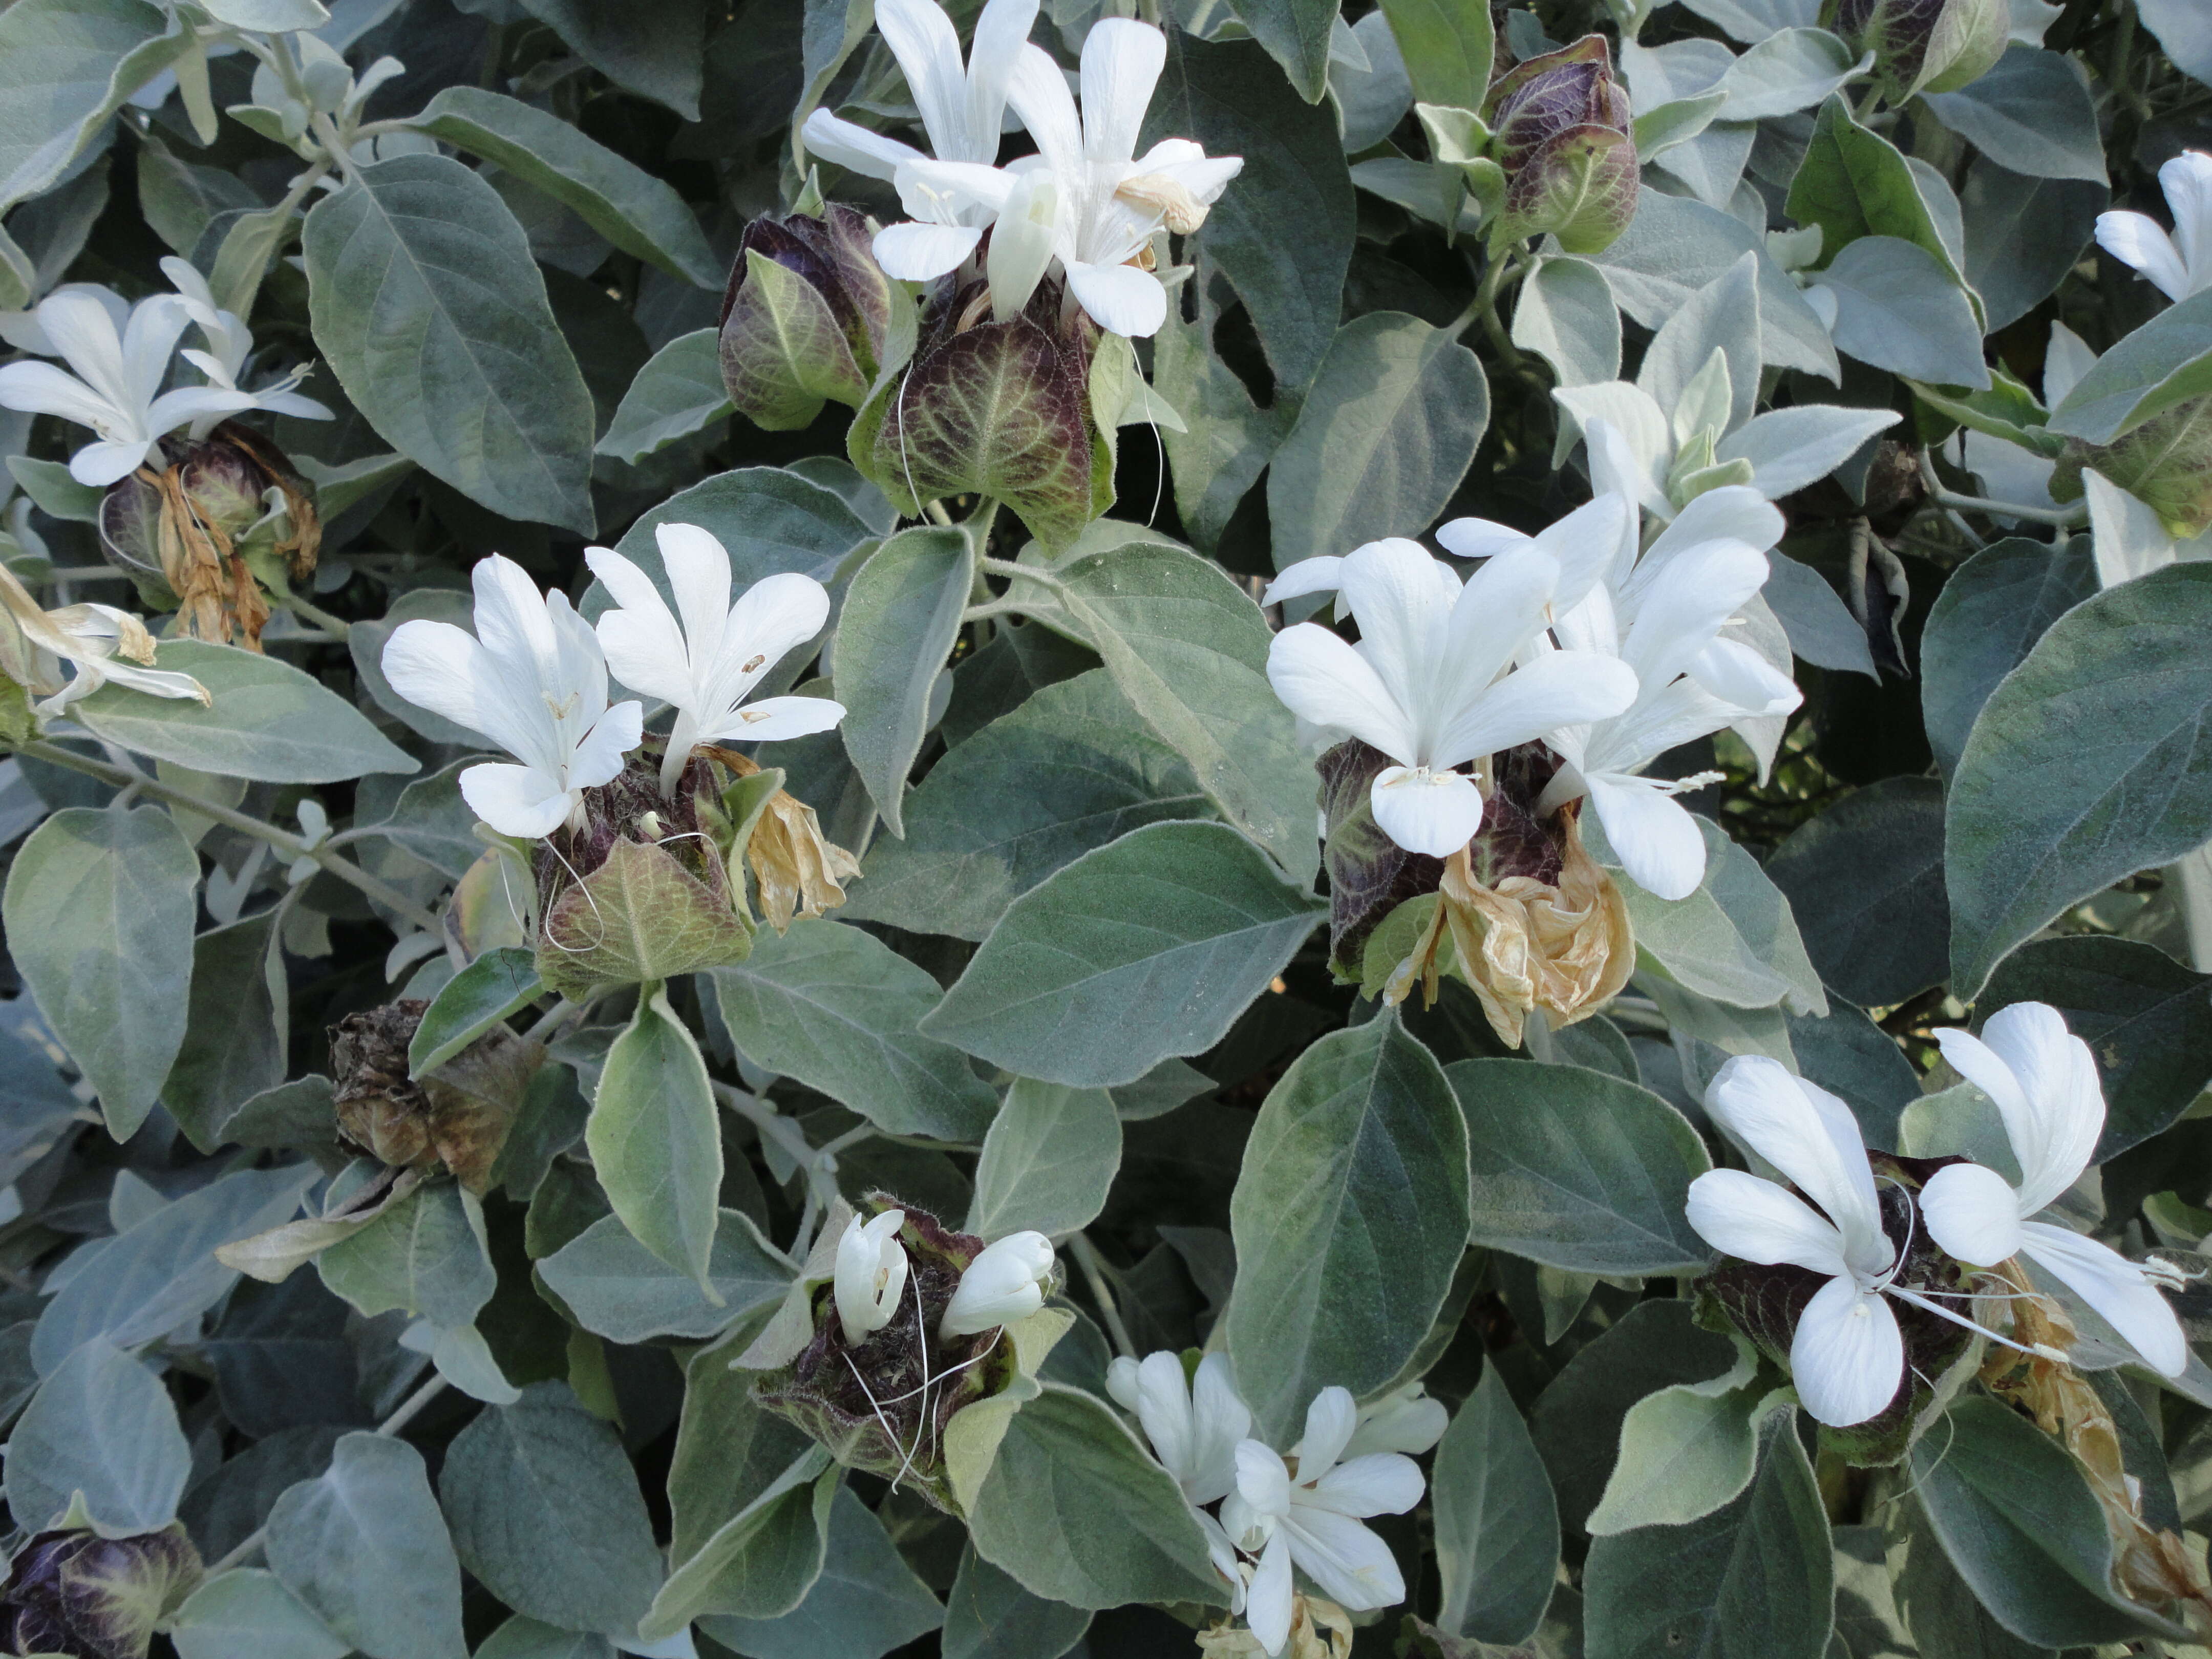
1501, 273
1095, 1276
284, 840
335, 627
410, 1408
2068, 517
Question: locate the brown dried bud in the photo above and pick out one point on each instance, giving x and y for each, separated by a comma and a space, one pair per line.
799, 871
455, 1116
205, 524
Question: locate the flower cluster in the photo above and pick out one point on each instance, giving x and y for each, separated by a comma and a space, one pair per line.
1571, 638
1847, 1354
1085, 203
1264, 1512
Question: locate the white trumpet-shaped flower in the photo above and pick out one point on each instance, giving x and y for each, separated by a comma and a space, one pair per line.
1312, 1519
962, 108
120, 354
871, 1274
531, 679
2180, 264
34, 642
1005, 1283
2044, 1082
1847, 1356
1428, 682
1193, 1423
1678, 611
1111, 200
229, 343
704, 658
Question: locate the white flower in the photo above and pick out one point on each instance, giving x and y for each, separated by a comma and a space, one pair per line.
89, 638
2044, 1082
2180, 264
1194, 1426
1312, 1519
1005, 1283
121, 354
533, 681
1427, 685
229, 343
706, 664
1847, 1356
1678, 601
1110, 199
1406, 1420
870, 1275
961, 107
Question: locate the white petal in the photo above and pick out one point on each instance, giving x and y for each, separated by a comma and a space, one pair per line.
1740, 678
957, 193
1752, 1220
1163, 1407
2066, 359
1121, 63
516, 801
1268, 1602
1654, 837
771, 619
1973, 1213
97, 466
43, 389
188, 404
1322, 679
1121, 299
2057, 1078
1261, 1480
1122, 1382
1735, 513
2117, 1289
1684, 605
81, 329
847, 144
1562, 687
1588, 544
149, 337
1040, 96
916, 252
434, 665
1218, 1421
2187, 181
598, 757
1435, 813
1331, 1416
1390, 586
1001, 31
698, 570
1347, 1562
1498, 611
1381, 1483
1479, 539
927, 47
1406, 1421
1848, 1355
775, 720
1625, 423
1324, 574
2136, 239
645, 651
1789, 1123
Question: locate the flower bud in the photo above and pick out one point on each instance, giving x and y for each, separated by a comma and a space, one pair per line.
804, 318
73, 1592
456, 1117
871, 1272
999, 408
638, 890
207, 525
1560, 129
884, 1398
1926, 45
1006, 1283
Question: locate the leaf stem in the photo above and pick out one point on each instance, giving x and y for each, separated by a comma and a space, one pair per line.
1501, 274
1094, 1275
2068, 517
284, 840
335, 627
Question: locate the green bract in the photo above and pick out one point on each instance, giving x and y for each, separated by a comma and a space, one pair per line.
1286, 830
